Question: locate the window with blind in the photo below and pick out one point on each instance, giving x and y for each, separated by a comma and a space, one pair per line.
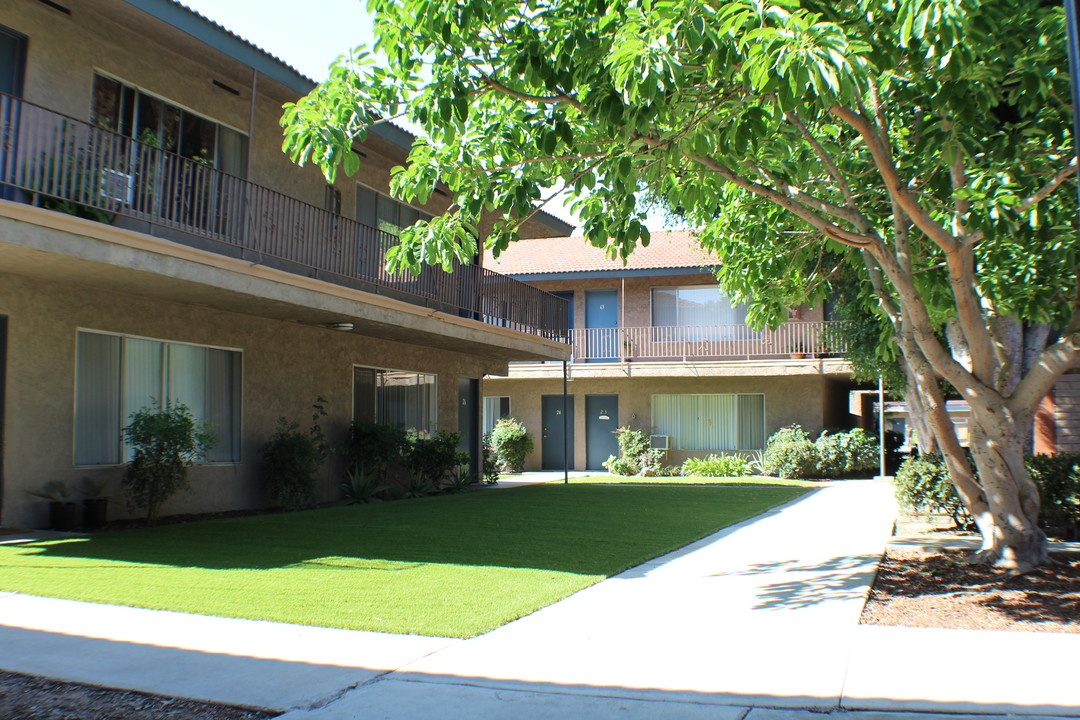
495, 408
116, 375
696, 306
385, 213
711, 422
395, 397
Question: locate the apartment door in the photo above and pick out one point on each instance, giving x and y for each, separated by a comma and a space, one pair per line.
601, 421
469, 420
601, 323
557, 439
12, 64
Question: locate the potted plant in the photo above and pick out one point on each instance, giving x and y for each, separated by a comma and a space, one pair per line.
95, 504
63, 510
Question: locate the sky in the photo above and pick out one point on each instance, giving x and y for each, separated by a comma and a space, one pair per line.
311, 34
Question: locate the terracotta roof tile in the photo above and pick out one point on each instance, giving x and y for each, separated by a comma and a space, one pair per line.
676, 249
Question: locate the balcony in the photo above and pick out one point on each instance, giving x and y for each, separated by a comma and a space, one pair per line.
62, 163
706, 343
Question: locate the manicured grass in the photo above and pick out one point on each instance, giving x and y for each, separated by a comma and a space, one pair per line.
453, 566
606, 479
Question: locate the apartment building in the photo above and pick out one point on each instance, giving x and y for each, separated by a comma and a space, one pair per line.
156, 244
657, 346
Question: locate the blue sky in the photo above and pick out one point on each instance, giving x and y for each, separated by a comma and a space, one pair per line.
311, 34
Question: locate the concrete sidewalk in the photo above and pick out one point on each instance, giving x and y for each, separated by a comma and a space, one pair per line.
760, 615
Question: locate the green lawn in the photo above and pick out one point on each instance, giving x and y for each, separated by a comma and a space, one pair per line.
607, 479
453, 566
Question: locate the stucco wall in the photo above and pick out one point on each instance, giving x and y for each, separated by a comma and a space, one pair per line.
788, 400
64, 51
285, 366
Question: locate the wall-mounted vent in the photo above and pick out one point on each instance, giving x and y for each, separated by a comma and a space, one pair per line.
55, 6
660, 442
226, 88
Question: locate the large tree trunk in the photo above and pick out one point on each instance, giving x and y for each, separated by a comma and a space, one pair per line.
996, 444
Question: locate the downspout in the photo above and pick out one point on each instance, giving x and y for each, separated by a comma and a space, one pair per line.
565, 430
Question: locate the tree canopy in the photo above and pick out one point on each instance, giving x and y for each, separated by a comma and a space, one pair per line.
919, 144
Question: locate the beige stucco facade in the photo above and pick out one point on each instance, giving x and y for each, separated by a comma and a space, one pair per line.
285, 366
60, 274
811, 400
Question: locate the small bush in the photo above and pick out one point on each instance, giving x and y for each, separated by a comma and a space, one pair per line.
844, 453
636, 455
375, 449
360, 487
717, 466
789, 453
491, 468
292, 458
167, 440
923, 485
431, 460
622, 465
1058, 479
510, 443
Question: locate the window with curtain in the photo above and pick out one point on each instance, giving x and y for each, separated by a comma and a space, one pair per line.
129, 111
696, 306
116, 375
495, 408
385, 213
711, 422
395, 397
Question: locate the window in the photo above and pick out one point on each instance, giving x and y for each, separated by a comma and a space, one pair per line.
495, 409
117, 375
694, 306
395, 397
385, 213
710, 422
152, 120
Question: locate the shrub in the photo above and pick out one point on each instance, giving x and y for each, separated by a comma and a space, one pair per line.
923, 485
636, 455
491, 468
717, 466
430, 460
789, 453
360, 487
844, 453
376, 450
510, 443
1058, 478
292, 458
167, 440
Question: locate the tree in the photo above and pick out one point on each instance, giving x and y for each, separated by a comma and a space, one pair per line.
921, 144
167, 440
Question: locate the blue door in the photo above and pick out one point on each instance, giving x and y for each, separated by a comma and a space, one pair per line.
602, 323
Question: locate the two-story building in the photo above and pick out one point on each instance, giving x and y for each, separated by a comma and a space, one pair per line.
657, 346
155, 244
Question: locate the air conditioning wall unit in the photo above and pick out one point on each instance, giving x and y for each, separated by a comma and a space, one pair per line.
117, 186
660, 442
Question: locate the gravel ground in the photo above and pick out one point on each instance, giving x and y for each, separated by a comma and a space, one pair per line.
24, 697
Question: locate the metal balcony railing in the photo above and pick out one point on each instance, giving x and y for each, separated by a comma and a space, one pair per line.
705, 342
62, 163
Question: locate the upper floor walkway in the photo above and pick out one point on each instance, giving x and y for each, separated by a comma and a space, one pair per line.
61, 163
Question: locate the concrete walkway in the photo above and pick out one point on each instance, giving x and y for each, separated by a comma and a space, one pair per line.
756, 622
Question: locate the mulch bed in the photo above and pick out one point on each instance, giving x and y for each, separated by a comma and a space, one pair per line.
25, 697
938, 590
